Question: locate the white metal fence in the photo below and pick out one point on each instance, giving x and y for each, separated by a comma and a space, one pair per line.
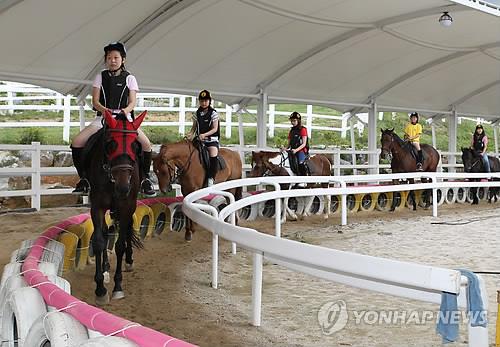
391, 277
19, 97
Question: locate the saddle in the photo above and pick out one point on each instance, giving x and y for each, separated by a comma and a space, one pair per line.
413, 151
294, 163
205, 157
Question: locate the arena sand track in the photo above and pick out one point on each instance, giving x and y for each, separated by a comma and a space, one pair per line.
169, 289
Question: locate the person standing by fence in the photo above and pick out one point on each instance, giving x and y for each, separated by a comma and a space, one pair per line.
114, 89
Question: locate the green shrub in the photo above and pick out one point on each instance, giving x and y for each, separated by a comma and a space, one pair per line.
30, 135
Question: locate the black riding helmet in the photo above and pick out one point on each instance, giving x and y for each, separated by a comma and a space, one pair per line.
116, 46
479, 126
204, 95
295, 115
414, 114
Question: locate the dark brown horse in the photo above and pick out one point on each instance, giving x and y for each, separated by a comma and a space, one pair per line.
181, 161
473, 163
114, 178
402, 160
277, 164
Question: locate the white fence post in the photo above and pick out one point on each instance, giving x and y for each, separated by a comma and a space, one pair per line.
336, 163
272, 112
81, 114
10, 102
257, 288
229, 121
309, 115
66, 118
35, 177
182, 114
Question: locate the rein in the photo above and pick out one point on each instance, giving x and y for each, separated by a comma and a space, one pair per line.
176, 174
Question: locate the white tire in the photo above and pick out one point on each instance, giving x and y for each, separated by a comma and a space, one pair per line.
53, 253
461, 194
63, 330
108, 341
219, 202
23, 308
450, 196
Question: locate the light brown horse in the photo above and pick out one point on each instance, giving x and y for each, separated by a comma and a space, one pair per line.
181, 161
277, 164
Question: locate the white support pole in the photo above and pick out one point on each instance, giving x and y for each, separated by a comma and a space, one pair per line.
182, 115
343, 132
66, 118
452, 139
257, 289
36, 196
433, 130
241, 131
272, 112
81, 113
353, 145
215, 260
229, 121
309, 114
495, 137
262, 120
336, 163
372, 137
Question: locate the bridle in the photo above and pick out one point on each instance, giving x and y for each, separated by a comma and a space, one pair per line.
120, 167
174, 174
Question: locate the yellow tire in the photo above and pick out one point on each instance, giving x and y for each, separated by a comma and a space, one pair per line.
353, 202
384, 201
70, 242
143, 221
368, 202
400, 198
84, 233
161, 217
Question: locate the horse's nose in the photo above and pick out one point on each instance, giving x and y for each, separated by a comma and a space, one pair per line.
122, 190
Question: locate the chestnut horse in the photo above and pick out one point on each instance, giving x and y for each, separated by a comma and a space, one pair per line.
181, 161
277, 164
402, 160
114, 176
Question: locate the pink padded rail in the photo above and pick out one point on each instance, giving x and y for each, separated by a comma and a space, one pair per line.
90, 316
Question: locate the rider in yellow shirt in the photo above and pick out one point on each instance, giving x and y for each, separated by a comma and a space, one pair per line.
413, 130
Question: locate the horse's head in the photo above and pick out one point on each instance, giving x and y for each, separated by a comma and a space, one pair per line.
261, 163
387, 141
121, 150
469, 160
164, 170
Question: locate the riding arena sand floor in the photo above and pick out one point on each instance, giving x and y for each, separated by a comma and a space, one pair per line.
169, 289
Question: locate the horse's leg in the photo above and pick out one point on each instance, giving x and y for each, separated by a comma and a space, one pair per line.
393, 204
307, 207
105, 260
412, 195
99, 246
475, 199
327, 202
289, 211
188, 236
123, 246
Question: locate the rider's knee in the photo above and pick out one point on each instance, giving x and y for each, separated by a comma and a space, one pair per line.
144, 141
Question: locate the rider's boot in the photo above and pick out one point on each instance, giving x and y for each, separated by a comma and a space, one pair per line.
83, 186
212, 171
147, 188
420, 159
302, 172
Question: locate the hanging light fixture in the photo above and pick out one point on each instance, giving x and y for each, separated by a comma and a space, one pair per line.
445, 19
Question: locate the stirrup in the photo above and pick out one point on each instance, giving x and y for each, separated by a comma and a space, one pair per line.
210, 182
82, 187
147, 188
419, 167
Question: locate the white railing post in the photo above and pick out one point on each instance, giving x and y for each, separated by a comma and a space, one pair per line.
257, 289
182, 115
353, 146
81, 114
66, 118
309, 114
229, 121
272, 113
36, 177
336, 163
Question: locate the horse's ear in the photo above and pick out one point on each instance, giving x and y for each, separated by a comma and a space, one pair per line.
110, 121
137, 122
391, 130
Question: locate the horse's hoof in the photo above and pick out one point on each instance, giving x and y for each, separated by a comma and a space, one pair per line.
188, 236
102, 300
90, 261
129, 267
118, 295
106, 277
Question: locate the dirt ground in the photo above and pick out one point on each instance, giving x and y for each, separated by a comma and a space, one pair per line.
170, 287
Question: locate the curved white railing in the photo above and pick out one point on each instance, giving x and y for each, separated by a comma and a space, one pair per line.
404, 279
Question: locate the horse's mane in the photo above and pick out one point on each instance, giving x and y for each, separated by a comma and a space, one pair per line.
396, 136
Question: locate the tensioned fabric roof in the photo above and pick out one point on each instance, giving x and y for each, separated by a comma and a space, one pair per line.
393, 51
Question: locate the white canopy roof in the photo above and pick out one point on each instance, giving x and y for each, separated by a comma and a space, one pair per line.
332, 50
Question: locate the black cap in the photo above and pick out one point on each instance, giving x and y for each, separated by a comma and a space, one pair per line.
414, 114
295, 115
479, 126
116, 46
204, 95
